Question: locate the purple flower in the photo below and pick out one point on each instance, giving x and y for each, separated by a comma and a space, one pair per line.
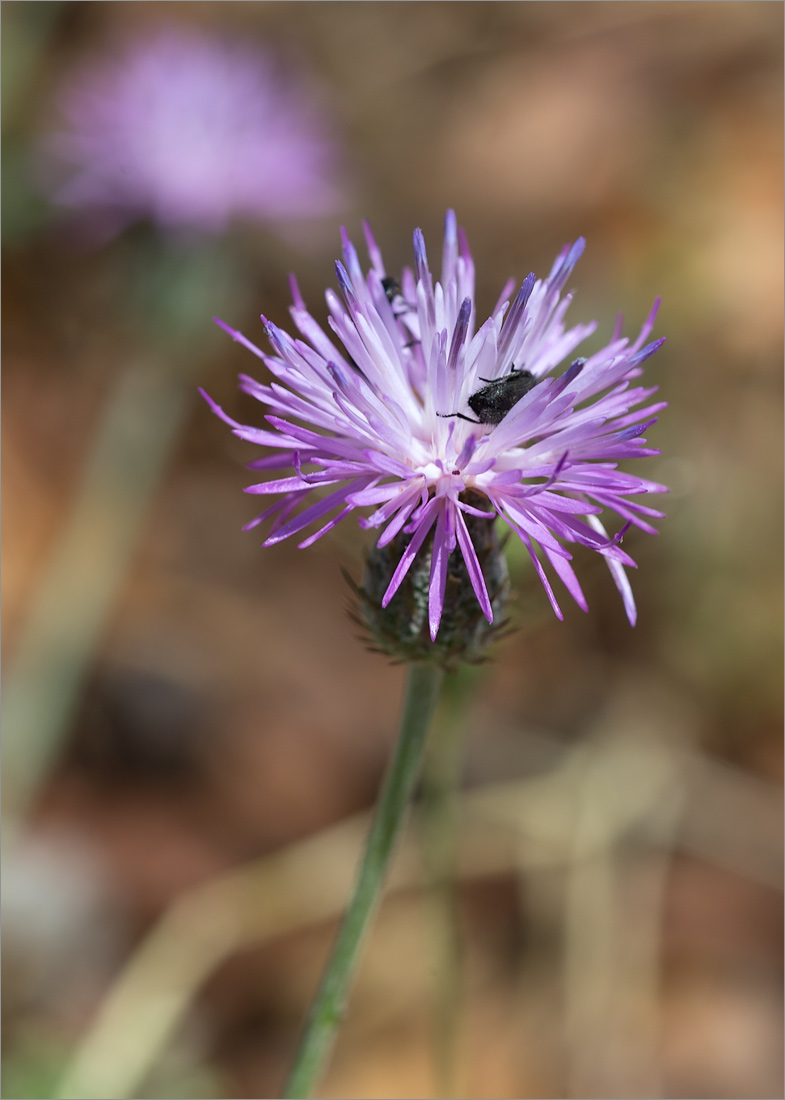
192, 131
370, 413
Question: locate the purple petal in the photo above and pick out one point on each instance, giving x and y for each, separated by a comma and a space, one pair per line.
421, 269
619, 576
512, 320
546, 584
425, 523
373, 251
271, 511
644, 353
272, 462
352, 260
315, 511
459, 333
472, 511
389, 465
506, 291
473, 567
439, 559
218, 410
347, 289
297, 298
288, 485
395, 524
648, 325
239, 338
450, 247
524, 515
327, 527
327, 444
375, 494
567, 575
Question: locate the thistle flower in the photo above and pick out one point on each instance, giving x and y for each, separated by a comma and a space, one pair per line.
380, 415
190, 130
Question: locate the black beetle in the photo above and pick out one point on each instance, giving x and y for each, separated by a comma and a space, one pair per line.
494, 400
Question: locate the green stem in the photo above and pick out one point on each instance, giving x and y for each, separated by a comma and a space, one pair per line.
439, 817
422, 690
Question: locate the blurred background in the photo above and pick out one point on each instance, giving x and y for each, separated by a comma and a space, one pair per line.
188, 717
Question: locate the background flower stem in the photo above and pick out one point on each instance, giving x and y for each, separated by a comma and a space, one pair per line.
89, 563
170, 289
422, 689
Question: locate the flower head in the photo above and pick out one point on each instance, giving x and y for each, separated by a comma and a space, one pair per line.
409, 409
191, 130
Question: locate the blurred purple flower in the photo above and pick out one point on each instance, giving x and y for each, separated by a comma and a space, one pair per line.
375, 420
191, 130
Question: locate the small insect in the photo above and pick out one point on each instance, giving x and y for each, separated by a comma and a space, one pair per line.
391, 287
494, 400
